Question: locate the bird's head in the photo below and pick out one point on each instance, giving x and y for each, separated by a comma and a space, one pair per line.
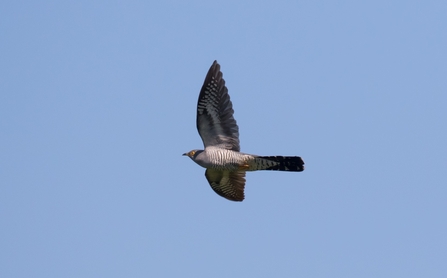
192, 154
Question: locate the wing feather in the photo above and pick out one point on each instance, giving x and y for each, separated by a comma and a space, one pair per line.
215, 121
229, 185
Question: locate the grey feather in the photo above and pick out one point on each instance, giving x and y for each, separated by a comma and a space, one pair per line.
215, 122
228, 184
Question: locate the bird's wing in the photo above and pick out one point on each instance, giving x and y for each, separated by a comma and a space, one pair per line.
229, 185
215, 121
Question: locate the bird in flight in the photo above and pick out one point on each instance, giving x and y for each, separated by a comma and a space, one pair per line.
225, 164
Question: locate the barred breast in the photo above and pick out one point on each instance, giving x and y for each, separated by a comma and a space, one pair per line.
223, 159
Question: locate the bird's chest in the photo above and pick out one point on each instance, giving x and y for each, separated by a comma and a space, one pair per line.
219, 160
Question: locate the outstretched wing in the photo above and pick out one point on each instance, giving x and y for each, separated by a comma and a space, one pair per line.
215, 121
229, 185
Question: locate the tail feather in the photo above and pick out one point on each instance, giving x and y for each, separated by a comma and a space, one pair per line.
281, 163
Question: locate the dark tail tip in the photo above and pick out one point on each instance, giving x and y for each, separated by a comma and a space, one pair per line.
286, 163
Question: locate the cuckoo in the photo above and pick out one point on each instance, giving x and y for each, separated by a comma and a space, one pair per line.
225, 164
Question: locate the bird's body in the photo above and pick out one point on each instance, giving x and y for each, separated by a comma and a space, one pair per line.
225, 164
223, 159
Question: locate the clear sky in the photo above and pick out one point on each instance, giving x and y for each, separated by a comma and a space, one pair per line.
98, 102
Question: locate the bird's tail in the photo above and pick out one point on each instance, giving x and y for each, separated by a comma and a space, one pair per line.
280, 163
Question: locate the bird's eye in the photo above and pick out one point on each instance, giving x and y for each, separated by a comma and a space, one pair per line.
192, 153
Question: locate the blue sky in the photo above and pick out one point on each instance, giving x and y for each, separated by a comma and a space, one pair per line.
97, 104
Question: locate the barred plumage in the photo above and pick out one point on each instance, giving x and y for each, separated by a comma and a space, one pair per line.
225, 164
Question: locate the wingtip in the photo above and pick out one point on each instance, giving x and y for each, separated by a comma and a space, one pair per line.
215, 66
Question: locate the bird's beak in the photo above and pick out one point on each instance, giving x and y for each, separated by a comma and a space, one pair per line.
185, 154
